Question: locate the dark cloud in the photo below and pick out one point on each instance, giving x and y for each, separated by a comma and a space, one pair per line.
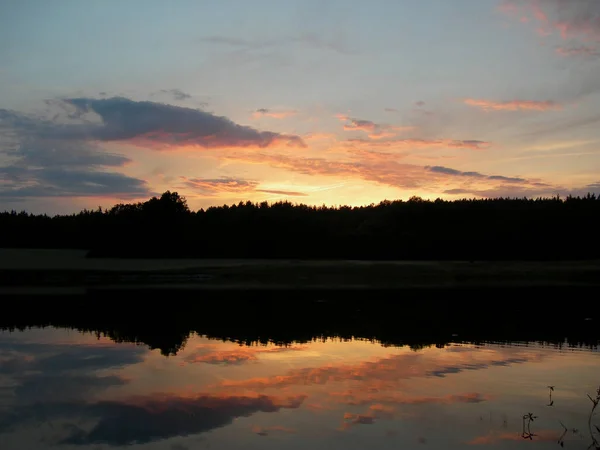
475, 366
57, 182
41, 373
60, 388
275, 114
593, 188
144, 123
145, 419
177, 94
50, 158
160, 125
179, 447
57, 157
20, 359
449, 171
54, 383
57, 153
530, 190
507, 179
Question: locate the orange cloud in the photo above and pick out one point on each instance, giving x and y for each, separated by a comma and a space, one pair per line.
220, 185
274, 114
226, 185
384, 172
319, 136
385, 169
212, 355
513, 105
387, 374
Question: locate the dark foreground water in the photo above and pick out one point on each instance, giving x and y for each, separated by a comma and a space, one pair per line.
63, 389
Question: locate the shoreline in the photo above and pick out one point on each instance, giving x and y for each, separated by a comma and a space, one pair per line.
55, 271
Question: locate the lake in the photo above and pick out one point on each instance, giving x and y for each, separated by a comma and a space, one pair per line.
63, 388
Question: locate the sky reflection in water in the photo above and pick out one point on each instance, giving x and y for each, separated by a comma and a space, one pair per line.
63, 389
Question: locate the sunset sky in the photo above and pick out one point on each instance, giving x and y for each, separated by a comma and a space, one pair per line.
328, 101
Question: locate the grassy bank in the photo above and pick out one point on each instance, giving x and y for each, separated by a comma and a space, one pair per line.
58, 268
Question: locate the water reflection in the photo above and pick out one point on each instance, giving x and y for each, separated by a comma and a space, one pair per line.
62, 388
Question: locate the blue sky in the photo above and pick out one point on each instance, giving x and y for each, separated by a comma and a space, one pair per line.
521, 77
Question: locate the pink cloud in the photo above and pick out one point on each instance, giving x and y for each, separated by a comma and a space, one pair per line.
538, 12
572, 19
513, 105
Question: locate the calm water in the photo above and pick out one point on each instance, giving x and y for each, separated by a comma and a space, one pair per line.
63, 389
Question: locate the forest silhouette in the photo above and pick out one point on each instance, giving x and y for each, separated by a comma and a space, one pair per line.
477, 229
417, 319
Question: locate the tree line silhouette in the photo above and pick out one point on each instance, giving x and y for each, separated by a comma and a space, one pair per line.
417, 318
503, 229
